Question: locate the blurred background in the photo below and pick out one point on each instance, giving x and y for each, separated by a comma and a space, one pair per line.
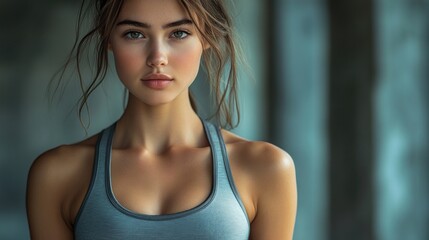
343, 86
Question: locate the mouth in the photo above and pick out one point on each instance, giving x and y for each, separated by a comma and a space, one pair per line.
157, 77
157, 81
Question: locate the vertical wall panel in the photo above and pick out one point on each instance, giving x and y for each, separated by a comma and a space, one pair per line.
402, 180
298, 104
351, 84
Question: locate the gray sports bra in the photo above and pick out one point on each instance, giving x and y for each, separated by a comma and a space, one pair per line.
221, 216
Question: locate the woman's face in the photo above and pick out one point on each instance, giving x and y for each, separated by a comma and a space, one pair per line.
156, 49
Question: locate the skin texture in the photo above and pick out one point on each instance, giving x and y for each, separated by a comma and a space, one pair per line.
171, 172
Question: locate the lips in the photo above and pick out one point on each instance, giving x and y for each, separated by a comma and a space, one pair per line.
157, 81
157, 76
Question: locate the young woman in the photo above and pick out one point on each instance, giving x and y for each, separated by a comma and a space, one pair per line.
160, 171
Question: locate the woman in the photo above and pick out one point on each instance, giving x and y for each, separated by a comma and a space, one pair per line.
160, 172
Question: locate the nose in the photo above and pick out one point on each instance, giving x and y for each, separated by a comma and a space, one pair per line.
157, 55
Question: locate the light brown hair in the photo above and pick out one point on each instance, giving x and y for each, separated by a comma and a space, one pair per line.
213, 24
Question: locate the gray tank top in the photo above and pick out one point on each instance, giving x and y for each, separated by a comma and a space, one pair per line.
221, 216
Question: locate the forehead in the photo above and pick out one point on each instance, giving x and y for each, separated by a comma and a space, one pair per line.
152, 11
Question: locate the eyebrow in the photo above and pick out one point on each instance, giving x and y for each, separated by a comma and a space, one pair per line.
146, 25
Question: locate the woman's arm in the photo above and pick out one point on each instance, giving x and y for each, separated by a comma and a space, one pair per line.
276, 197
46, 189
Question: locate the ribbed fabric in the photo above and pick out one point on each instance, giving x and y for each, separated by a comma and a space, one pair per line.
221, 216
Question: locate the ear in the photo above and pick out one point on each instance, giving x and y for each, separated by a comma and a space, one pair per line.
205, 44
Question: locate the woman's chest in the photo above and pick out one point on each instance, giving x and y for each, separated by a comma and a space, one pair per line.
162, 184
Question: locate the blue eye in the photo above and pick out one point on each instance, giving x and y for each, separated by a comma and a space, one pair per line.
133, 35
179, 34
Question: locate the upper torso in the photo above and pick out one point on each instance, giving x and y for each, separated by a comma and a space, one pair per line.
181, 183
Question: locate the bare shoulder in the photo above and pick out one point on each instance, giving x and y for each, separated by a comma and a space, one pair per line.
264, 169
266, 181
57, 181
58, 163
262, 158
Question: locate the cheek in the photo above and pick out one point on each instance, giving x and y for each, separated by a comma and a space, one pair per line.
187, 59
128, 62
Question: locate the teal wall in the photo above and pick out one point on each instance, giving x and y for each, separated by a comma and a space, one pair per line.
402, 120
300, 106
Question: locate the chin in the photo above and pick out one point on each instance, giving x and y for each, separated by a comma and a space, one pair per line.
155, 101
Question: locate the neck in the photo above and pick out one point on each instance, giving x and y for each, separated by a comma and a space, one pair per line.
158, 128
